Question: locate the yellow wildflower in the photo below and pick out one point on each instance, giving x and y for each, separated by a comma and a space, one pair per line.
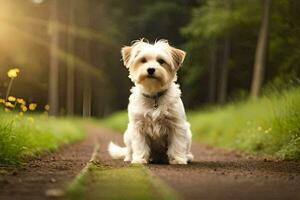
47, 107
24, 108
21, 101
32, 106
13, 73
9, 105
6, 110
268, 130
2, 101
11, 98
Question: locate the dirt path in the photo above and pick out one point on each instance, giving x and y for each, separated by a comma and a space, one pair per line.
215, 173
45, 177
220, 174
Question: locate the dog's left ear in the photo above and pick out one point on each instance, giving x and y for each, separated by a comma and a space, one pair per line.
178, 56
126, 52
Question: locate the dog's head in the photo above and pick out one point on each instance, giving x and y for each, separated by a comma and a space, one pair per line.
152, 66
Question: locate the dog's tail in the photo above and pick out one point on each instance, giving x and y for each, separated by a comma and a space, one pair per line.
116, 152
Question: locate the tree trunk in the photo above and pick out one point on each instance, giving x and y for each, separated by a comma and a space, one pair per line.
225, 62
87, 87
87, 96
224, 70
261, 51
54, 63
212, 74
70, 65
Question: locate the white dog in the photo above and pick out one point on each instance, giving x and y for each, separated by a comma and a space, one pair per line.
157, 120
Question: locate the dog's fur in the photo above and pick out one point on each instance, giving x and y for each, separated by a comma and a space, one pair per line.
162, 129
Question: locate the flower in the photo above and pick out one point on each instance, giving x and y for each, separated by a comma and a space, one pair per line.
32, 106
13, 73
11, 98
23, 108
268, 130
47, 107
6, 110
21, 101
2, 101
9, 105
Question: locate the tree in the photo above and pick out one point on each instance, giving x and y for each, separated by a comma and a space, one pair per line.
70, 64
87, 88
223, 80
54, 63
212, 73
225, 62
261, 51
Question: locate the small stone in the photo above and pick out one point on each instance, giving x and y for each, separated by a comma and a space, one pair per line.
53, 180
55, 193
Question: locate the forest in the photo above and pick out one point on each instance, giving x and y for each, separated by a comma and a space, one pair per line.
68, 52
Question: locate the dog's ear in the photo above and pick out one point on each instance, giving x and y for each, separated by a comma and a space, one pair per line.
178, 56
126, 52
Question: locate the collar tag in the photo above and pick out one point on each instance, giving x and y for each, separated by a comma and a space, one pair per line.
155, 98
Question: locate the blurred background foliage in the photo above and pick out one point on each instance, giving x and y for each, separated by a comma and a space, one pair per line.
220, 37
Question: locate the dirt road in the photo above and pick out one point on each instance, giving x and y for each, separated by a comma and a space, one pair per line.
214, 174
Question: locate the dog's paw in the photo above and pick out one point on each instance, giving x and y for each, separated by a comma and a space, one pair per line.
178, 161
190, 157
139, 161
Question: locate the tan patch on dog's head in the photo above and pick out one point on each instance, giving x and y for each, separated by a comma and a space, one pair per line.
153, 66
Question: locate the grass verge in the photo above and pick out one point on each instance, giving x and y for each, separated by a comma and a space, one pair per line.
268, 125
97, 181
29, 135
117, 121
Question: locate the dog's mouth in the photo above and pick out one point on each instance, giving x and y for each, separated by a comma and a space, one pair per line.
149, 77
152, 77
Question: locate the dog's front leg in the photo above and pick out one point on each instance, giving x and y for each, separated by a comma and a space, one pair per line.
140, 149
178, 147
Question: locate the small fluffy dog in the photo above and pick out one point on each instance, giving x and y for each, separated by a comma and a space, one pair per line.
157, 125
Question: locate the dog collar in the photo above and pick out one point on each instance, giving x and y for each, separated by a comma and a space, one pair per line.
155, 97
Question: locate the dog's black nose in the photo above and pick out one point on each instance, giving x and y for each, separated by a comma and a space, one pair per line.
150, 71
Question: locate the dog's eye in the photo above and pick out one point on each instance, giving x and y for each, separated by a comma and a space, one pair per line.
161, 61
143, 60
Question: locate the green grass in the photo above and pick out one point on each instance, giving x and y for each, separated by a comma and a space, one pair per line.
117, 121
97, 181
29, 135
269, 125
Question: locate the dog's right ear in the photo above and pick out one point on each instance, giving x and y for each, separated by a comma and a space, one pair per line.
126, 53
